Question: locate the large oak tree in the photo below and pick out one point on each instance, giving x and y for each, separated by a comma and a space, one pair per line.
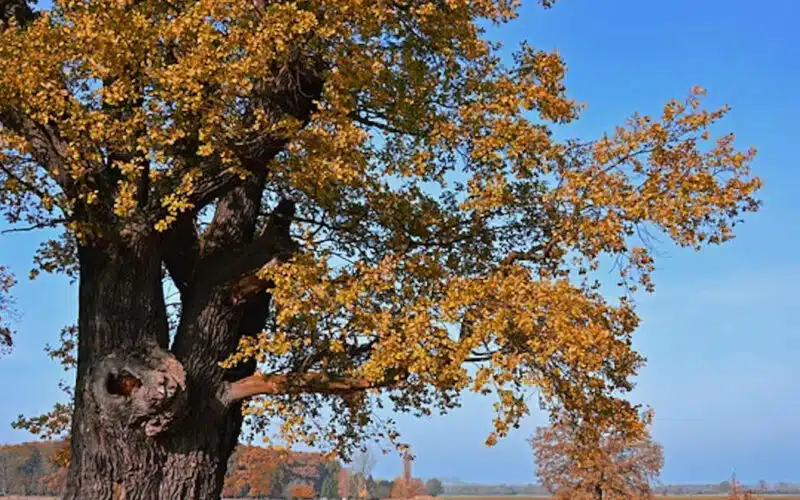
363, 200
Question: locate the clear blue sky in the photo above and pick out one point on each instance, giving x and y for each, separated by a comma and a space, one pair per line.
719, 332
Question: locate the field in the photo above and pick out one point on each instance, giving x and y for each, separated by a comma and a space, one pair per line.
658, 497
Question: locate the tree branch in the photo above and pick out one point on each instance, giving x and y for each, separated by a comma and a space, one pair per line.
180, 251
47, 149
34, 227
272, 245
18, 10
297, 383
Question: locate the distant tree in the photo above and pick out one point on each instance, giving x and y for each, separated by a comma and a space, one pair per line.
372, 487
383, 488
301, 491
328, 471
578, 462
279, 483
344, 483
361, 469
330, 487
408, 488
434, 487
252, 472
739, 492
5, 474
32, 471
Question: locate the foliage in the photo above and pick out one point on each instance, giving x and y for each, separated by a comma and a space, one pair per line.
445, 240
330, 488
383, 488
434, 487
344, 481
573, 462
408, 487
31, 469
738, 492
301, 491
257, 472
36, 468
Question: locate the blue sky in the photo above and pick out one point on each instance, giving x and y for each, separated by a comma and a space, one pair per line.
722, 371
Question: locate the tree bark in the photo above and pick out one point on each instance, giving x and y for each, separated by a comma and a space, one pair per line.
132, 436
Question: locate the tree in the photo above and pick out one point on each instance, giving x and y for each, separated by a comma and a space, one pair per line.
333, 189
434, 487
301, 491
580, 463
371, 488
383, 488
5, 474
253, 472
737, 492
407, 486
360, 471
31, 470
327, 475
344, 483
330, 488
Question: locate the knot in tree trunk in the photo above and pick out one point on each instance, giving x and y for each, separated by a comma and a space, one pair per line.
141, 388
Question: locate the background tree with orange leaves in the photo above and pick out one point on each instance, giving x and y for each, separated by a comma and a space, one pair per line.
577, 460
356, 203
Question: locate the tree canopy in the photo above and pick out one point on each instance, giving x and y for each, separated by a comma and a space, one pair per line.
614, 462
388, 175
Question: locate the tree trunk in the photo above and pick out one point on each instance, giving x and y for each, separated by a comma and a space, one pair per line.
132, 436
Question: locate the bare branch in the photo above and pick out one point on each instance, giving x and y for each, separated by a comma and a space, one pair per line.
34, 227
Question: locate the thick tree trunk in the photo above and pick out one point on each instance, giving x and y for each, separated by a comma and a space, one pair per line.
132, 435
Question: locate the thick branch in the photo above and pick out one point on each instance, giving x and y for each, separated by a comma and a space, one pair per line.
272, 245
296, 95
180, 251
18, 10
47, 148
298, 383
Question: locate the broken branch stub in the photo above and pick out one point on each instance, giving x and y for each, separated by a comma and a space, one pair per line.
145, 388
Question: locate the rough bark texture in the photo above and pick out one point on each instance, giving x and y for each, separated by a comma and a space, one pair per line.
133, 437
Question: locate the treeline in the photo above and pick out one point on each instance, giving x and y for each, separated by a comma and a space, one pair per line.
722, 488
725, 487
256, 472
492, 490
253, 472
31, 469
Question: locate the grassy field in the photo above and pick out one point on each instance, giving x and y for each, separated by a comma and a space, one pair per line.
659, 497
